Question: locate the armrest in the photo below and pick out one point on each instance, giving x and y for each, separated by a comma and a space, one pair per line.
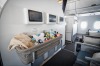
87, 47
92, 59
88, 58
87, 44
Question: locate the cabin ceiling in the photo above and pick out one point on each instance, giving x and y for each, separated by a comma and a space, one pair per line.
72, 7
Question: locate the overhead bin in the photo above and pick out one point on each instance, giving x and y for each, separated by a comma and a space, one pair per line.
88, 10
82, 6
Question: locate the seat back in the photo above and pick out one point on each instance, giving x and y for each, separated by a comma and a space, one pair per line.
93, 38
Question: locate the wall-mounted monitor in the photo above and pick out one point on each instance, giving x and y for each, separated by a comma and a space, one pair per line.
33, 17
61, 20
51, 18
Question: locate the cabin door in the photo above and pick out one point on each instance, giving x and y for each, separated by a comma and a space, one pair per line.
69, 28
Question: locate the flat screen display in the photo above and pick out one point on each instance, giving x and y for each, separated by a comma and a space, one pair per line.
35, 16
52, 18
61, 19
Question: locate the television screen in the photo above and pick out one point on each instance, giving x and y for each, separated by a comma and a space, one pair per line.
35, 16
61, 19
52, 18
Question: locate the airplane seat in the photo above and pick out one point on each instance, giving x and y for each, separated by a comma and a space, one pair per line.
77, 38
88, 53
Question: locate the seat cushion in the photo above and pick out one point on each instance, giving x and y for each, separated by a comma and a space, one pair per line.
81, 57
96, 57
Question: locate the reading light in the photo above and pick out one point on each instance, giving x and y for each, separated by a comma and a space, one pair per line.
60, 1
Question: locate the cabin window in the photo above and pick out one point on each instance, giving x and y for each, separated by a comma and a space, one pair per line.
97, 25
84, 25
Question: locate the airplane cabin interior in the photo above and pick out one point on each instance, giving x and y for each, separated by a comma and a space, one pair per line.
49, 32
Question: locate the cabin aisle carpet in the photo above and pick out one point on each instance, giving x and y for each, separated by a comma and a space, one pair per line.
70, 47
62, 58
